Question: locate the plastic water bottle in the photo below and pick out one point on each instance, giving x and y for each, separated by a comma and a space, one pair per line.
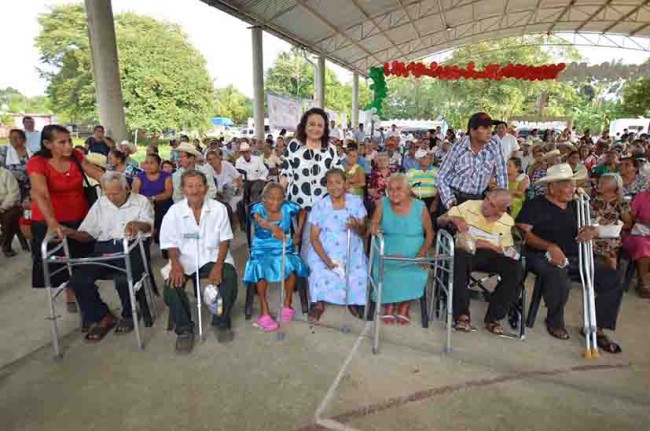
212, 298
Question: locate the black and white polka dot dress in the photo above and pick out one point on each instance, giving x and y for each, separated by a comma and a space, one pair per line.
305, 169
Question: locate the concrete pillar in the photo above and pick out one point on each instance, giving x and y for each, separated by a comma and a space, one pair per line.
355, 99
258, 82
106, 68
319, 83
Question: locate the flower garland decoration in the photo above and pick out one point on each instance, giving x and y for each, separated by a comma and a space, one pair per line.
494, 72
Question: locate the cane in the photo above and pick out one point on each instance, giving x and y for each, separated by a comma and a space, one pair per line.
282, 276
346, 328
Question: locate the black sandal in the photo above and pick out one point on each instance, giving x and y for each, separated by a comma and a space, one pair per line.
97, 333
124, 326
605, 343
559, 333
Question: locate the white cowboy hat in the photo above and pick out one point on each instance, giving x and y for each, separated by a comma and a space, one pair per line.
421, 153
561, 172
567, 144
97, 159
244, 147
186, 147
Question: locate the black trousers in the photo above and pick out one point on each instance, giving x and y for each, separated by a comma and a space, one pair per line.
93, 308
9, 223
556, 283
179, 303
505, 292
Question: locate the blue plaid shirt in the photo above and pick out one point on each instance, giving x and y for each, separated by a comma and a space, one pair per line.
470, 173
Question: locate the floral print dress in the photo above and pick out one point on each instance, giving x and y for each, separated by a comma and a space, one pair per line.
607, 213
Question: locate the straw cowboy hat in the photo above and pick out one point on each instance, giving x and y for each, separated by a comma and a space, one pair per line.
186, 147
97, 159
551, 154
561, 172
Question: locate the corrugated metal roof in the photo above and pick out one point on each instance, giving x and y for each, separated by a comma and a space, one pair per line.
358, 34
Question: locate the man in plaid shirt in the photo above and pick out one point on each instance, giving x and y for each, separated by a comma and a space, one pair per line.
466, 170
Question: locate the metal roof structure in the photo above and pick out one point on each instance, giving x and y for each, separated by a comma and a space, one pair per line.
358, 34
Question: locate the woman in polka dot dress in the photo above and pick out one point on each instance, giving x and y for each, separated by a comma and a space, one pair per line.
307, 158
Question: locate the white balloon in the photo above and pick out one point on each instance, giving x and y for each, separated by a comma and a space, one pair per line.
373, 110
375, 118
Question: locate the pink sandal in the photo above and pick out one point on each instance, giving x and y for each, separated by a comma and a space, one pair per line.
266, 323
287, 315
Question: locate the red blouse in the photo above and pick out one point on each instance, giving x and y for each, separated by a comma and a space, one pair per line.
66, 189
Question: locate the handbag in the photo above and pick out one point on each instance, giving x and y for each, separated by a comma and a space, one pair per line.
90, 191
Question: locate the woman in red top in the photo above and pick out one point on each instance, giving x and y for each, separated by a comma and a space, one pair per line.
57, 198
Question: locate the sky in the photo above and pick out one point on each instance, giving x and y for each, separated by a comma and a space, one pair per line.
223, 40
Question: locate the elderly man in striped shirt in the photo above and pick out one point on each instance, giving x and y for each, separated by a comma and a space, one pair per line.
466, 170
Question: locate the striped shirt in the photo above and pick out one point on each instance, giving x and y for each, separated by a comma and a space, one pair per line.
428, 180
470, 173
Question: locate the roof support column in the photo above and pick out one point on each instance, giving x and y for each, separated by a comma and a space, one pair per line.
319, 83
258, 82
106, 68
355, 99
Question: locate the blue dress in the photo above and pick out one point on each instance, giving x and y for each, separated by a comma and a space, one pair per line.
266, 252
404, 236
324, 284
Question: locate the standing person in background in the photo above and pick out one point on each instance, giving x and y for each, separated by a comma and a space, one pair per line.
97, 143
335, 132
32, 136
359, 135
58, 199
507, 140
16, 160
466, 170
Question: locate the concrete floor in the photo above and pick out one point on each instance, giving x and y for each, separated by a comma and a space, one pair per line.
259, 383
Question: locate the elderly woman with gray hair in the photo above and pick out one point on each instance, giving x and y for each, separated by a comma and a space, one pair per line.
608, 207
408, 232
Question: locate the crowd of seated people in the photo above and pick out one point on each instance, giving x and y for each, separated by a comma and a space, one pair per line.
486, 186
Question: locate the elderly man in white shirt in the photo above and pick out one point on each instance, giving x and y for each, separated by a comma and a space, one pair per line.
256, 172
116, 215
189, 155
32, 135
193, 219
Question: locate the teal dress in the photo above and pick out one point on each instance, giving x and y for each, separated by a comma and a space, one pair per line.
404, 236
266, 251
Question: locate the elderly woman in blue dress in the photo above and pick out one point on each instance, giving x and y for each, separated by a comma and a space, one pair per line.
328, 259
408, 232
272, 219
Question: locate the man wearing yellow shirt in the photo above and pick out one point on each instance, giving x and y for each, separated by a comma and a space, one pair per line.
489, 225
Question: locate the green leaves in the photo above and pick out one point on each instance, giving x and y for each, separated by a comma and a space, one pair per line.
165, 83
636, 97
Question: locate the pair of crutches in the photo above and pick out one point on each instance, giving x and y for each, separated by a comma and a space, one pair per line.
586, 264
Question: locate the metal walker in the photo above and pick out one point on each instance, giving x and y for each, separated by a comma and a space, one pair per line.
441, 283
49, 257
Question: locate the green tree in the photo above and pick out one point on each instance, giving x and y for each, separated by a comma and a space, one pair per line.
164, 79
232, 103
13, 101
636, 98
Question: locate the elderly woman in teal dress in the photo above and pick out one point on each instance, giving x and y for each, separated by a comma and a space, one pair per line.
408, 232
272, 220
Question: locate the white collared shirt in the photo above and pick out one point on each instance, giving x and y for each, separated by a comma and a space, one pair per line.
255, 169
214, 228
106, 222
33, 140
